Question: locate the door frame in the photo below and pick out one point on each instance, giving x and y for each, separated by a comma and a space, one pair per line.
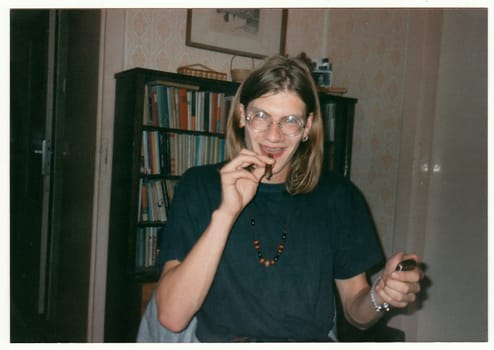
112, 49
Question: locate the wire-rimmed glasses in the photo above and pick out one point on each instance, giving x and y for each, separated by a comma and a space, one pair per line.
289, 125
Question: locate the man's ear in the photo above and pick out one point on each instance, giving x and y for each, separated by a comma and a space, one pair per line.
308, 125
242, 115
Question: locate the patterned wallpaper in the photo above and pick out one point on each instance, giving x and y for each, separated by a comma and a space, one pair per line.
151, 34
368, 50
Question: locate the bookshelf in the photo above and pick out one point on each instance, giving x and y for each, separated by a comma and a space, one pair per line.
338, 115
165, 123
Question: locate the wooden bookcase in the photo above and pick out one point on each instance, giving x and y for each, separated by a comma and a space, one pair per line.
141, 96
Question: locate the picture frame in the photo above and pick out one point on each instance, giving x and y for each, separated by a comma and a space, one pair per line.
251, 32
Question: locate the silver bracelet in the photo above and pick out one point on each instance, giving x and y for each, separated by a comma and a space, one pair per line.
379, 308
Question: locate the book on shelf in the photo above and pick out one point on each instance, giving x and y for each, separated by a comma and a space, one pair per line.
160, 202
150, 195
213, 112
191, 110
153, 200
162, 105
143, 211
151, 153
145, 166
154, 152
146, 112
148, 241
183, 109
206, 112
329, 115
154, 108
171, 107
164, 150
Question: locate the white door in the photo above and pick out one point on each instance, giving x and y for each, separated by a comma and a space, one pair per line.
449, 224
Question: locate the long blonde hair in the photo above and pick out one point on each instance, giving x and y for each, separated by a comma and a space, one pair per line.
277, 74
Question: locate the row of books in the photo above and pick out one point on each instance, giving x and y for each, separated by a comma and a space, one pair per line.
184, 108
147, 245
172, 153
153, 200
153, 149
192, 150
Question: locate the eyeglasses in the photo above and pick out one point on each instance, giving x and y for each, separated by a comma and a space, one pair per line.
289, 125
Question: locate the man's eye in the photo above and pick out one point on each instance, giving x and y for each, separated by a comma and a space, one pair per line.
292, 120
260, 115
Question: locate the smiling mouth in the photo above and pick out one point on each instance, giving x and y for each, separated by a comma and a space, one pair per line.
272, 152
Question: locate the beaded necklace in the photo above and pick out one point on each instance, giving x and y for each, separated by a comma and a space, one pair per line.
281, 246
264, 260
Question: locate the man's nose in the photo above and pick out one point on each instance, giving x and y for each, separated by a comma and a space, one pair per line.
274, 132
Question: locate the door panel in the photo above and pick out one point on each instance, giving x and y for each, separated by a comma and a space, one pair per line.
75, 158
456, 238
54, 84
29, 58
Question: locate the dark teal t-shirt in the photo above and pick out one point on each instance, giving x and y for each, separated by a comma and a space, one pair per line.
329, 235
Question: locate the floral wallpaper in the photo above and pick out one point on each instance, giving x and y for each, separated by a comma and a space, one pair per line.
368, 50
155, 39
151, 34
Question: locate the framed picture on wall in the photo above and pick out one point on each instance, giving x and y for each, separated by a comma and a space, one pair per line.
249, 32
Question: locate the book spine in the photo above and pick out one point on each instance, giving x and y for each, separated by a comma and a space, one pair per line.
182, 107
154, 152
172, 142
150, 202
193, 113
160, 201
206, 112
162, 101
145, 153
154, 107
144, 203
214, 109
146, 110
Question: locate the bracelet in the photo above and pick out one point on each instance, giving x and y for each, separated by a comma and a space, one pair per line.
379, 308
